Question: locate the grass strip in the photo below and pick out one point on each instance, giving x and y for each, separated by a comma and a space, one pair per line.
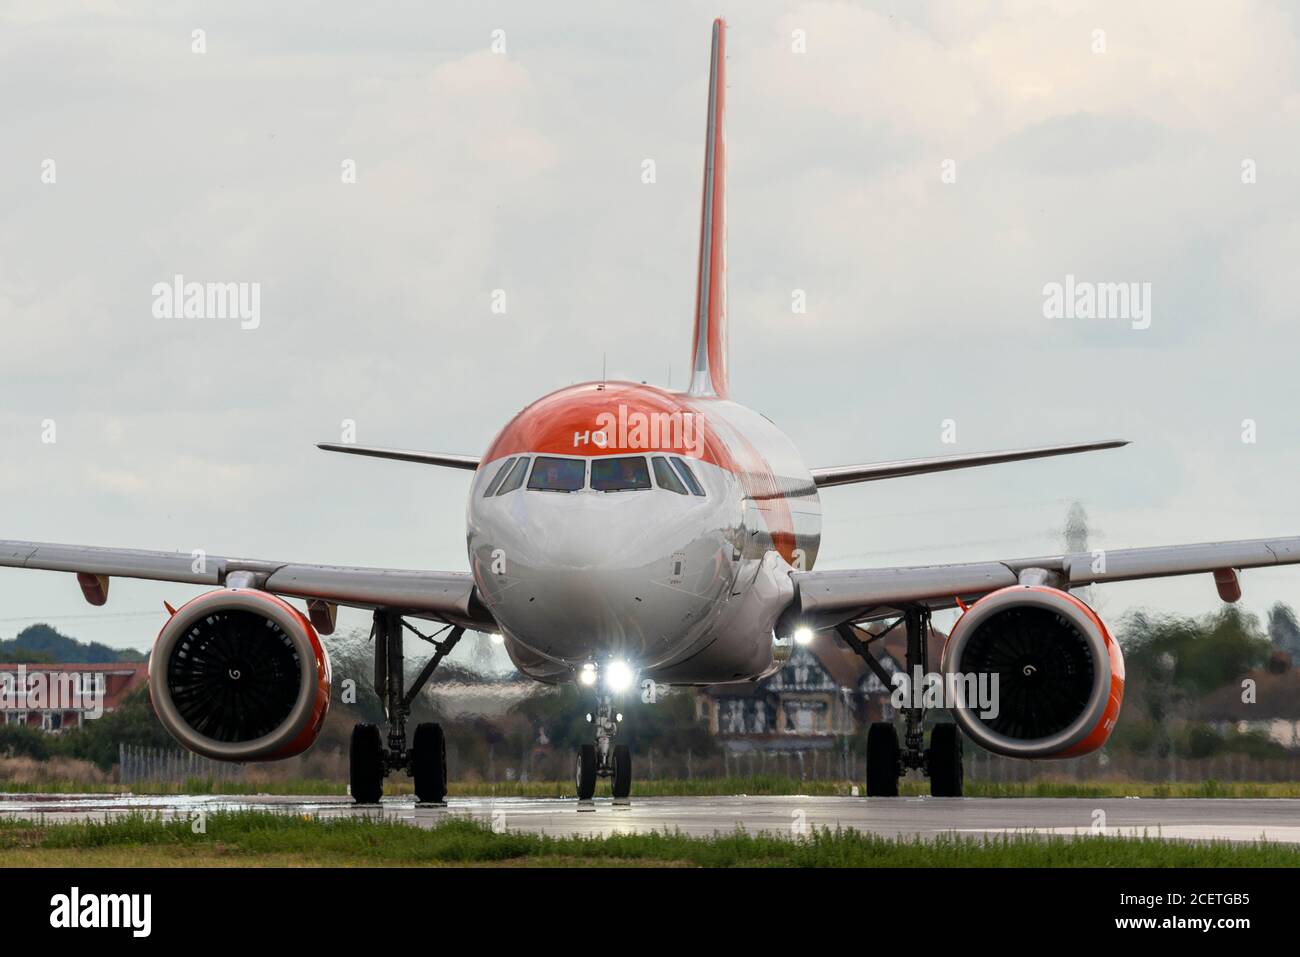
249, 838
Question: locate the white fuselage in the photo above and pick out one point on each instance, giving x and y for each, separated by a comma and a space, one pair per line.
682, 587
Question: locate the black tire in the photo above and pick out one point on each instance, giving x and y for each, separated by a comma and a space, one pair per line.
429, 764
585, 773
366, 764
943, 761
882, 760
621, 784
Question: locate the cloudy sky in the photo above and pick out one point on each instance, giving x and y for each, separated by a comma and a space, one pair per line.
1104, 141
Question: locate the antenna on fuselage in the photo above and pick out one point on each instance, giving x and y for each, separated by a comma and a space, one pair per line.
603, 357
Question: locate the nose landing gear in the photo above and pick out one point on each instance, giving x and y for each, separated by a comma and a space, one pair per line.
604, 759
426, 760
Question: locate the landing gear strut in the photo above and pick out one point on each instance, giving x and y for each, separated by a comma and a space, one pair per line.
604, 759
888, 758
426, 760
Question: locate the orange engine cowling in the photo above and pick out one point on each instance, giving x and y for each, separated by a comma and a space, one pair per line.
240, 675
1057, 674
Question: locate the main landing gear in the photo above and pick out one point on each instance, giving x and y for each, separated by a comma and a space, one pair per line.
888, 758
604, 759
426, 759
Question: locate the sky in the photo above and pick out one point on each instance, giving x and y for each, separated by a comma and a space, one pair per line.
916, 173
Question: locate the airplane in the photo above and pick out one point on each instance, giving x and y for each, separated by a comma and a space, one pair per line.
621, 533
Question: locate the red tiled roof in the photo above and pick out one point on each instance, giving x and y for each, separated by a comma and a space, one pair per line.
1276, 696
54, 667
135, 673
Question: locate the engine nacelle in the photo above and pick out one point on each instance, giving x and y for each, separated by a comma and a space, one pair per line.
1060, 675
240, 675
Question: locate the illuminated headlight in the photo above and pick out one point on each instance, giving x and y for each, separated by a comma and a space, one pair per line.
803, 636
588, 674
618, 676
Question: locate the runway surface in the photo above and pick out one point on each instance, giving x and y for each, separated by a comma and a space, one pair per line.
1186, 819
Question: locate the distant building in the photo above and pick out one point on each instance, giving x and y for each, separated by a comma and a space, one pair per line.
1272, 708
824, 691
54, 698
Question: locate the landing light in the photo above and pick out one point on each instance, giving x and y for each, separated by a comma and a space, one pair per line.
803, 636
588, 674
496, 638
618, 675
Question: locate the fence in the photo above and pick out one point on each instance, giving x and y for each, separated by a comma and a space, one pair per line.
805, 764
838, 763
1102, 766
136, 764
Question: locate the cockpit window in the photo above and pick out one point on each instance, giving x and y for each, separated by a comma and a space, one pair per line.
558, 475
689, 477
500, 477
515, 478
620, 474
665, 477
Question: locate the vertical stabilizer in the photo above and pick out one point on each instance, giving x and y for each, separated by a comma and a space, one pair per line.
709, 351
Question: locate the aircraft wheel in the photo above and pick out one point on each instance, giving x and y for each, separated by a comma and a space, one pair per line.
366, 764
943, 761
622, 781
586, 772
429, 763
882, 760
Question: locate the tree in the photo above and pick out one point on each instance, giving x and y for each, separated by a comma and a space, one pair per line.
1197, 655
1284, 631
44, 643
132, 723
1172, 660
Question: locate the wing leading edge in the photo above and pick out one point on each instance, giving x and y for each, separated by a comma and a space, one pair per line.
444, 596
875, 471
827, 598
404, 455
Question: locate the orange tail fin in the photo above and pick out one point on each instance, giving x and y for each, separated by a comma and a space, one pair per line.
709, 350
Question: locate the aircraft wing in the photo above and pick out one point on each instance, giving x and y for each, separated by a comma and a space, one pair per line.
827, 598
470, 462
442, 596
898, 468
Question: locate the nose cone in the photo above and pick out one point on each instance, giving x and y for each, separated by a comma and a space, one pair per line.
591, 574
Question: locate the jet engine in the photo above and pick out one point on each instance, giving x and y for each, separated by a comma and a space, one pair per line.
240, 675
1059, 674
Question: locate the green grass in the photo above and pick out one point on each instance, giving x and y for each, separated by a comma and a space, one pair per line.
251, 838
759, 785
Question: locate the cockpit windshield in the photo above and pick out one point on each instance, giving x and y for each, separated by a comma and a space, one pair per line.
500, 477
689, 477
666, 478
516, 476
619, 474
557, 475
